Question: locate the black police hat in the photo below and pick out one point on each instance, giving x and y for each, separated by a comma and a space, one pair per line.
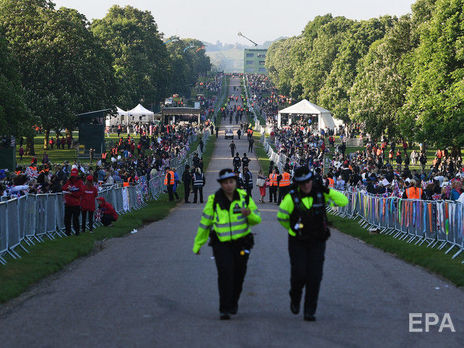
226, 174
302, 174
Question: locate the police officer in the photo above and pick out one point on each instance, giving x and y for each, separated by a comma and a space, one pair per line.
245, 160
229, 213
248, 180
237, 162
302, 214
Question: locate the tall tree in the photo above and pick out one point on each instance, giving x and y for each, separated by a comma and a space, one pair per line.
334, 93
378, 93
140, 58
14, 119
435, 101
64, 69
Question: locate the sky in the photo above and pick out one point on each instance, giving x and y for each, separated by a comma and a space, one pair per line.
262, 20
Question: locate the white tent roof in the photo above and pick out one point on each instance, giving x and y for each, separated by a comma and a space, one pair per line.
139, 110
120, 111
305, 107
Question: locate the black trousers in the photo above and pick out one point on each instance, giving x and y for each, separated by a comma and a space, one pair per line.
197, 189
186, 192
170, 192
306, 262
250, 147
273, 194
71, 213
231, 267
283, 190
249, 189
84, 218
107, 219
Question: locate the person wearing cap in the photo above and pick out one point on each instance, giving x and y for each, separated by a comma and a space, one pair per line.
228, 214
72, 190
89, 193
302, 213
107, 212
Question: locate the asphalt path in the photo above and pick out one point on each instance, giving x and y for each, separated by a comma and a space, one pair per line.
150, 290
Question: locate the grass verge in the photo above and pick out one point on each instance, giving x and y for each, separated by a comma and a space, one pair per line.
433, 260
261, 154
52, 256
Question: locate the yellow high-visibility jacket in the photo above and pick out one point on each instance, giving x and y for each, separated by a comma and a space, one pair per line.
286, 206
227, 224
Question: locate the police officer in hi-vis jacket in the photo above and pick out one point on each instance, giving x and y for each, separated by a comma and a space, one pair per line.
303, 214
226, 220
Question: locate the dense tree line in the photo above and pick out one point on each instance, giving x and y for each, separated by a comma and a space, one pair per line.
55, 64
398, 77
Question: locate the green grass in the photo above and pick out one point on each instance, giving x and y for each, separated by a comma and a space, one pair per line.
436, 261
52, 256
261, 154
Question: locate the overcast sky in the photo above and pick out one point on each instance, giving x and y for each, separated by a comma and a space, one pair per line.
263, 20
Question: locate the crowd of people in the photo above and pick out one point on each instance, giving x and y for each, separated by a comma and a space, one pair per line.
385, 168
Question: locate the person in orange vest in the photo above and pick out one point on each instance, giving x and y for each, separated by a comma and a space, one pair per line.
169, 183
330, 181
284, 184
103, 155
273, 184
414, 191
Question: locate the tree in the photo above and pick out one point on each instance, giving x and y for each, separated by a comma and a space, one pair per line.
378, 93
334, 93
64, 69
14, 118
139, 57
435, 100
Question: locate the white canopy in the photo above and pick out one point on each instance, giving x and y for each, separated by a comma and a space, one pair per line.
114, 120
139, 110
304, 107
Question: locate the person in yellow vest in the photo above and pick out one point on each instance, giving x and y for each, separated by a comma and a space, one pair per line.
228, 214
414, 191
273, 186
303, 214
169, 181
284, 184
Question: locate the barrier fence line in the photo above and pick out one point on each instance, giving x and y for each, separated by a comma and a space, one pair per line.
433, 223
31, 219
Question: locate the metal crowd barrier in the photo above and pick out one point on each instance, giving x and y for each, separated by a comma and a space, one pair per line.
433, 223
31, 219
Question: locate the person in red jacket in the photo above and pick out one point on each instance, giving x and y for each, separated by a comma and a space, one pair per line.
89, 194
72, 201
108, 214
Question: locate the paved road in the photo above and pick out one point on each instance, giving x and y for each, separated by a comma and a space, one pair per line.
149, 290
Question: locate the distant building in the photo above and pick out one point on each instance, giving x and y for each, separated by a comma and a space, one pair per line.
254, 60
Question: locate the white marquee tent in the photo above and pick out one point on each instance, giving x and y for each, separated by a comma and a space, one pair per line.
306, 108
140, 114
119, 118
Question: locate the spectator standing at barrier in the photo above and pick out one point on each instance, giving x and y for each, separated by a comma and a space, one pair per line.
176, 182
414, 191
226, 219
187, 180
198, 183
169, 181
107, 212
232, 148
72, 190
273, 184
89, 194
303, 214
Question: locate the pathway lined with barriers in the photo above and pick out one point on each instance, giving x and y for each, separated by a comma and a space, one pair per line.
150, 290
